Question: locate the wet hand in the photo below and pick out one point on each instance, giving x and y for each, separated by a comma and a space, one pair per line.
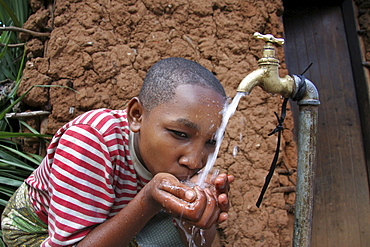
177, 198
219, 185
217, 200
202, 208
221, 189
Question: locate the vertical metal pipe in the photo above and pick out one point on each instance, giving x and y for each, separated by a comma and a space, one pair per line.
305, 175
307, 137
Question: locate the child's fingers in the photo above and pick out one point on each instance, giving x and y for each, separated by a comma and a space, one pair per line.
223, 202
222, 217
175, 205
230, 178
170, 184
221, 183
211, 213
178, 190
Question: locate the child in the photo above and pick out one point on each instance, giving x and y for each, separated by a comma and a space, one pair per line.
112, 177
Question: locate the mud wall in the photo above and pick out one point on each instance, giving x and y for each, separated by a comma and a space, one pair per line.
103, 49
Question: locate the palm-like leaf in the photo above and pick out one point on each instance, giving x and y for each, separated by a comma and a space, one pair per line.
12, 13
14, 165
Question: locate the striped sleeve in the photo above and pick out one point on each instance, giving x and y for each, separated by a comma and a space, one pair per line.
80, 185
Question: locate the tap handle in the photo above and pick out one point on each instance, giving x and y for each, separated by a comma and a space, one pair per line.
268, 38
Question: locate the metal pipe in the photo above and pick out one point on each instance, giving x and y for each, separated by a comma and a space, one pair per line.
267, 77
306, 164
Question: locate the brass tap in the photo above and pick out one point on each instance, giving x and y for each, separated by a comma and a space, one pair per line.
267, 75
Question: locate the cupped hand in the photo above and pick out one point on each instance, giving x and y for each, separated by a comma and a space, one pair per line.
220, 186
199, 207
177, 198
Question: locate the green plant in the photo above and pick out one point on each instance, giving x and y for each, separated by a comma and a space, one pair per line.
12, 59
12, 13
15, 165
1, 241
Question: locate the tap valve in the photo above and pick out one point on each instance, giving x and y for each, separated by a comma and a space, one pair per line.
268, 38
268, 56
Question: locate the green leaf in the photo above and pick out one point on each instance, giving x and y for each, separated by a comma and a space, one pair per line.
8, 191
5, 37
34, 132
11, 172
10, 157
2, 203
19, 76
20, 70
5, 134
25, 167
10, 182
20, 154
6, 141
11, 13
36, 157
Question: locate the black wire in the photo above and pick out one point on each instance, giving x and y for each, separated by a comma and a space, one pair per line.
278, 129
308, 67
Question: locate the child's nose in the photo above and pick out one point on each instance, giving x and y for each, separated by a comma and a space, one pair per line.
193, 160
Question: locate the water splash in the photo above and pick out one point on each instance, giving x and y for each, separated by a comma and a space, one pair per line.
189, 235
228, 111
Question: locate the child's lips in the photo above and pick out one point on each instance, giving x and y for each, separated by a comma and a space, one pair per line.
184, 177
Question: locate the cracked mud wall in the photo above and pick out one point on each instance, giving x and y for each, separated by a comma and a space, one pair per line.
103, 49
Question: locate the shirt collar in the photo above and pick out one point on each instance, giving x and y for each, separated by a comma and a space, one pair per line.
139, 168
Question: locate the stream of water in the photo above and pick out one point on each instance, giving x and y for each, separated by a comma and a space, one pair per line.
228, 111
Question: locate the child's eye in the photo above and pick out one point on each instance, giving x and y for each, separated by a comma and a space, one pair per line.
212, 142
179, 134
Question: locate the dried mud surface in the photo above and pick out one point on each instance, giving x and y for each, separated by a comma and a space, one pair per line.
103, 49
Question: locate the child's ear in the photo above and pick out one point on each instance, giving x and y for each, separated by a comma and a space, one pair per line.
134, 114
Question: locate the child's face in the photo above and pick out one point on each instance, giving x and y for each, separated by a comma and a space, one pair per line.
177, 136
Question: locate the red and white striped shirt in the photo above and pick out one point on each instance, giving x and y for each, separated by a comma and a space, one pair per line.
87, 176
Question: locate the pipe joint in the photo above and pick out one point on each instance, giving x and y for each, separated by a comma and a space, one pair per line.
311, 94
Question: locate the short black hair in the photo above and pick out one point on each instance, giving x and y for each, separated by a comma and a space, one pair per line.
166, 75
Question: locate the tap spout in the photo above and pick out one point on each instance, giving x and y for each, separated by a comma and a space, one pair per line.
251, 80
267, 77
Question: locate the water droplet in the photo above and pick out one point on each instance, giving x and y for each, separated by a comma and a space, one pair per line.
203, 237
71, 110
235, 151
